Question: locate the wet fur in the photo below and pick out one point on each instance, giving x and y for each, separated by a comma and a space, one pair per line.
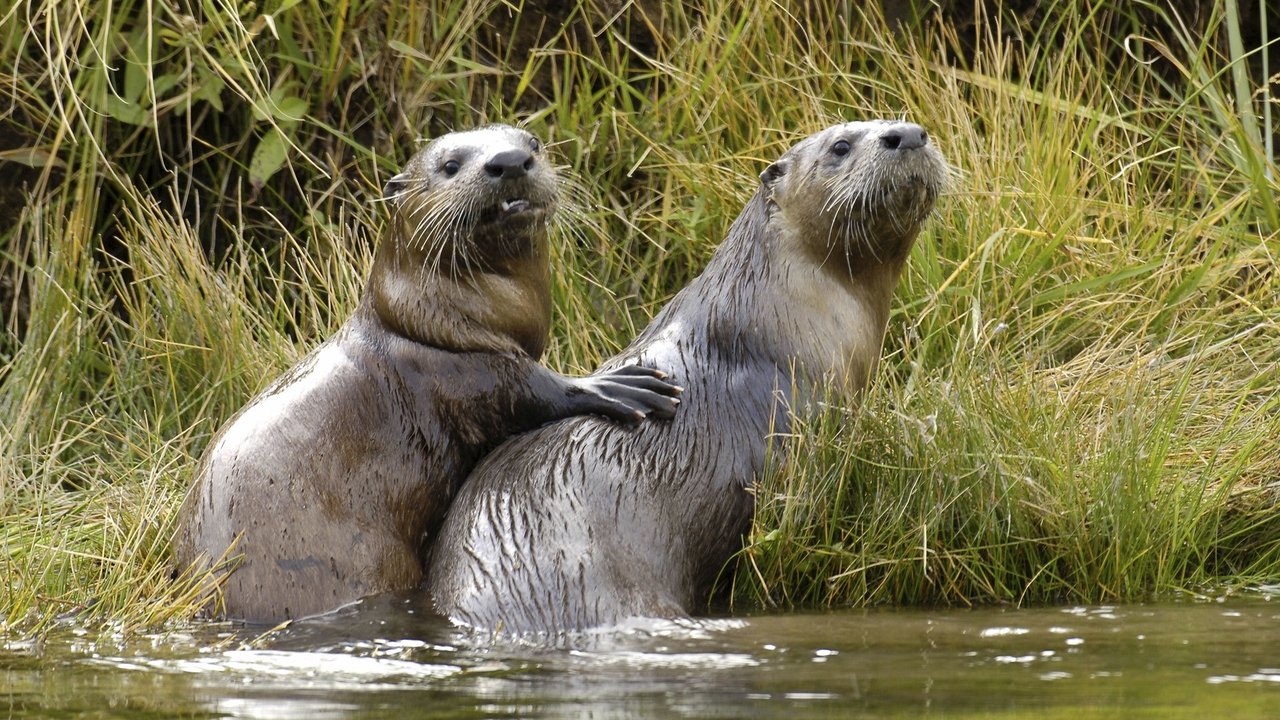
580, 525
330, 484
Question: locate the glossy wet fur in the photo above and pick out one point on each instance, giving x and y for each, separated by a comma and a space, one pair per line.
330, 484
579, 524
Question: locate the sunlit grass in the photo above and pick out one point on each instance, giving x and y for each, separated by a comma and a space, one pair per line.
1078, 393
1080, 396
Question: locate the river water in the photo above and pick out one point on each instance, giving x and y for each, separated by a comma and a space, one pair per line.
387, 659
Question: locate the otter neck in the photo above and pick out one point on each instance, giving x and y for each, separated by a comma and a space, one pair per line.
825, 312
504, 307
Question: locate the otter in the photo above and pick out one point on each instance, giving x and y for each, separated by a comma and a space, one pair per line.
581, 524
331, 483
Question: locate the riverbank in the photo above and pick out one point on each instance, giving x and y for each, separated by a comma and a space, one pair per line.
1078, 397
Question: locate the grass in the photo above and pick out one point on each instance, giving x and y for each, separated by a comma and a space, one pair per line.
1078, 399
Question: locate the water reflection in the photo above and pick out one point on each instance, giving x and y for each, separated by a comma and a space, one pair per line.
388, 658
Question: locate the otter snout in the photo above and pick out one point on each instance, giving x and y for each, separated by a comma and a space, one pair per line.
509, 164
903, 136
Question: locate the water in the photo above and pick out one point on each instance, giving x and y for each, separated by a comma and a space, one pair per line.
386, 659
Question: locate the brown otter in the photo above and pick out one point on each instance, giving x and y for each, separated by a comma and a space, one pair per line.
329, 483
580, 524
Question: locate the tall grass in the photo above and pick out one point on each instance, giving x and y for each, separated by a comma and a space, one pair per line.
1078, 394
1082, 371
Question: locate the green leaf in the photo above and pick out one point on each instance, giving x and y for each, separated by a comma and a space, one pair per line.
290, 109
209, 89
126, 112
135, 80
35, 157
136, 69
404, 49
164, 84
1092, 284
268, 157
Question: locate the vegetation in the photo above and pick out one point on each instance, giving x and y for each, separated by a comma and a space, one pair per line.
1078, 398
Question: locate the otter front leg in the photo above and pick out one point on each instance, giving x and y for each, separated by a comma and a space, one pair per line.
627, 394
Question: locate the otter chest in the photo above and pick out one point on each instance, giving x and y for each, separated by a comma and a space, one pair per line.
836, 331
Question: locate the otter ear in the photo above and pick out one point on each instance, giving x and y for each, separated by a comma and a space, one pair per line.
773, 172
395, 186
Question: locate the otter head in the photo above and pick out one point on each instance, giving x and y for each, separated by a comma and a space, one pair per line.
474, 200
841, 210
463, 261
856, 194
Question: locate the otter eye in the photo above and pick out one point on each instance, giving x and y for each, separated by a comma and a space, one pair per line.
841, 148
534, 145
451, 168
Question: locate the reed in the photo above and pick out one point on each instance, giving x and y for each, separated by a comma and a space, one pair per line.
1078, 394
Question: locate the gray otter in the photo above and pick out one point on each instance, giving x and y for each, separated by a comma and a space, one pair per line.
581, 524
330, 482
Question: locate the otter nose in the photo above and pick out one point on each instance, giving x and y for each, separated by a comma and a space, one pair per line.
904, 136
509, 164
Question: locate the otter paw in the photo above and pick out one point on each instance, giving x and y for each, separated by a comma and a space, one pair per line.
632, 392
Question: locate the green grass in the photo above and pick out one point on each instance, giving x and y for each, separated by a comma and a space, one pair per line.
1078, 399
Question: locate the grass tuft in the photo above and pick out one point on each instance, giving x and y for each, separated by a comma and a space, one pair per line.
1078, 398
